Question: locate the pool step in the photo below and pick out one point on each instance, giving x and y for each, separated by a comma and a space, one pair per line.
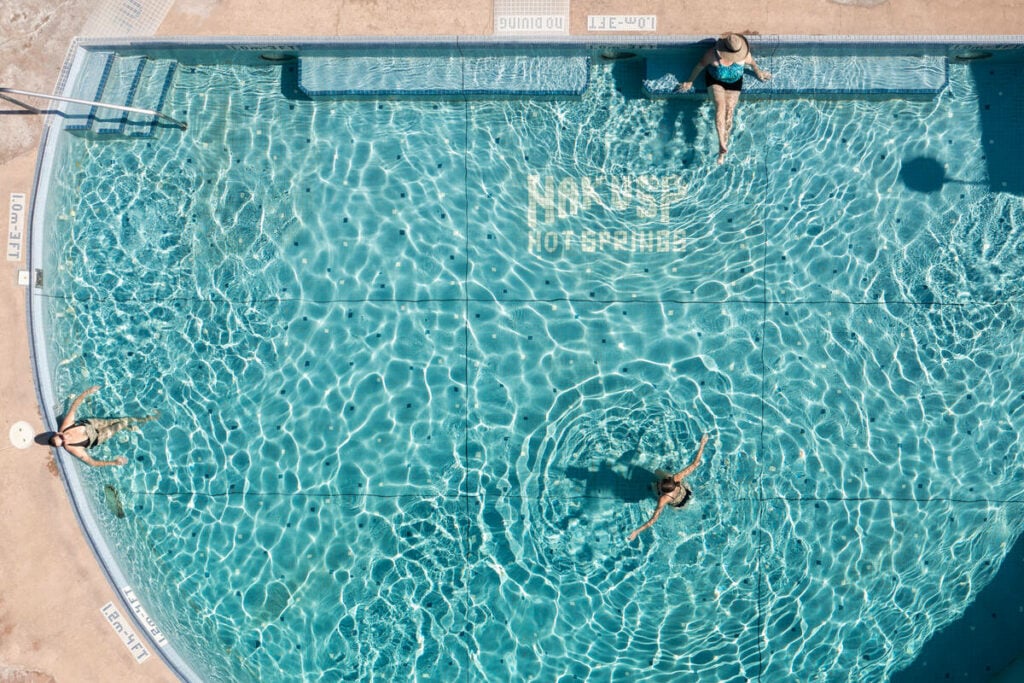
95, 70
444, 73
151, 94
119, 88
130, 81
799, 73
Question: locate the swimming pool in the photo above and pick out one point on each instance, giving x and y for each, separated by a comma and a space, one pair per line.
418, 354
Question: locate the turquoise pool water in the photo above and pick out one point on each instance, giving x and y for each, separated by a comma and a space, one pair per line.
417, 360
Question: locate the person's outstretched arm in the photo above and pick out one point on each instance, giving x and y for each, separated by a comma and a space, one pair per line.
761, 75
654, 518
69, 418
679, 476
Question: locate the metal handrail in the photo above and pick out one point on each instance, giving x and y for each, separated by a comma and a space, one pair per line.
180, 124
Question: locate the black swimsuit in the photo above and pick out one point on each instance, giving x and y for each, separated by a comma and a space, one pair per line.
710, 80
92, 437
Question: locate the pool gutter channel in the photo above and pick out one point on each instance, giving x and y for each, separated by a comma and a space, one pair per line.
38, 354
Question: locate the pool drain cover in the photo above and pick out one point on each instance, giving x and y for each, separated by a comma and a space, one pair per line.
21, 434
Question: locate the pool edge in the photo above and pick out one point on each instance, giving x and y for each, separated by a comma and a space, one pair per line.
39, 361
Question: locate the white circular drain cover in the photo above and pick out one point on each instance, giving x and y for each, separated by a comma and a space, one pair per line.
21, 434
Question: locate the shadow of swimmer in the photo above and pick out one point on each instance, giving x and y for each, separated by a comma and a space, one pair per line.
646, 198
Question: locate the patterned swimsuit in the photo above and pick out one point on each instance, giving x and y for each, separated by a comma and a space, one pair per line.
729, 77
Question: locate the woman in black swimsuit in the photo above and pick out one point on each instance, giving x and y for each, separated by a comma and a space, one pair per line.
76, 437
672, 490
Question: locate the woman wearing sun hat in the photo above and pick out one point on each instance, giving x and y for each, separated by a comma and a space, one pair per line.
725, 63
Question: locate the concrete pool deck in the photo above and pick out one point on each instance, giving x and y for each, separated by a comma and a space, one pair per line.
51, 588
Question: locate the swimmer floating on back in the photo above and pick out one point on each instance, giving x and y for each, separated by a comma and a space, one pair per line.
76, 437
672, 489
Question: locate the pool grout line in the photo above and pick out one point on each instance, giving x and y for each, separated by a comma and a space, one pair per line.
759, 637
465, 347
569, 300
762, 636
511, 496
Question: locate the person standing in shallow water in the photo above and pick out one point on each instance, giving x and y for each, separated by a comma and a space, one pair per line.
77, 436
725, 63
672, 489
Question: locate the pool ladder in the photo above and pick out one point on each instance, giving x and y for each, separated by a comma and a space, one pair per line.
136, 110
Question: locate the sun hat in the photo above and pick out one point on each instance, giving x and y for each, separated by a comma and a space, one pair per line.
734, 46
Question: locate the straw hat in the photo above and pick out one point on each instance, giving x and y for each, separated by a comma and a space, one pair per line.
733, 46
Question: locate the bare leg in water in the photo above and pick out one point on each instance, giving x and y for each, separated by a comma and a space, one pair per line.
725, 106
107, 427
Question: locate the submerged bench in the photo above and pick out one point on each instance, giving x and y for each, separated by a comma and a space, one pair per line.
444, 74
829, 74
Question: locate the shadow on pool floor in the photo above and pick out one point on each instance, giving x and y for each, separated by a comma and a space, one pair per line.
1001, 105
986, 640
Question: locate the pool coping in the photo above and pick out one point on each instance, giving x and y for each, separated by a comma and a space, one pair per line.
219, 40
53, 125
271, 43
